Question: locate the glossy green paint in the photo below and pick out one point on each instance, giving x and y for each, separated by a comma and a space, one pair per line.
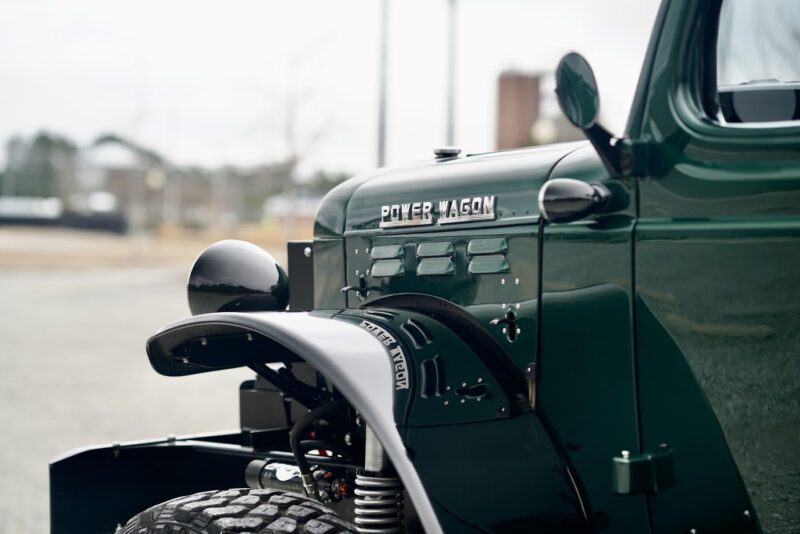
587, 398
470, 471
329, 221
458, 366
352, 210
463, 441
514, 177
517, 283
486, 296
587, 393
717, 249
671, 321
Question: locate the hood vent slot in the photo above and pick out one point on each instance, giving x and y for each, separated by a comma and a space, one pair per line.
386, 252
435, 266
493, 263
488, 256
435, 258
433, 249
387, 268
496, 245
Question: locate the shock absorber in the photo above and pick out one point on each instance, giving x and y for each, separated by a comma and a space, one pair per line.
329, 484
379, 498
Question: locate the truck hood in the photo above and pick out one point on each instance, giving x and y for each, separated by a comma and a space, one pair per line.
507, 182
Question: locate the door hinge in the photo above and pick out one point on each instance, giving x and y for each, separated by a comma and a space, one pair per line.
645, 473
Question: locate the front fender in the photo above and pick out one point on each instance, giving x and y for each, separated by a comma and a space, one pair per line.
355, 362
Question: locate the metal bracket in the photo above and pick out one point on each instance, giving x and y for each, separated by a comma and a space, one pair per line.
511, 329
361, 289
646, 473
634, 157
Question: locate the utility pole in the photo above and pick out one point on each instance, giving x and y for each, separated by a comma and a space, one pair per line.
382, 72
451, 71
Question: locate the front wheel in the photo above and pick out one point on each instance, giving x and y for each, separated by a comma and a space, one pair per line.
255, 511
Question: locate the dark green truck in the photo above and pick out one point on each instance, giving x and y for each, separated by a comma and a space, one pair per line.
587, 337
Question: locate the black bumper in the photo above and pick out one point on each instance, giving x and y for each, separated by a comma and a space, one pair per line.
93, 490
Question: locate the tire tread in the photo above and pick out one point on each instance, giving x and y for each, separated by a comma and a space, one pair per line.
238, 511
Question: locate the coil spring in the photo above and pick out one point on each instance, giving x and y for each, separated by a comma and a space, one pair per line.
379, 505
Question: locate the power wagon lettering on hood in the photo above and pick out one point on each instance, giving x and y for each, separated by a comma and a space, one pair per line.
450, 211
395, 351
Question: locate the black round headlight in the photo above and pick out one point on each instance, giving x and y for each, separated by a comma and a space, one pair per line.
236, 275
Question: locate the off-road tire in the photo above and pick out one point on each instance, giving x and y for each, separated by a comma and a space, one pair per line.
240, 511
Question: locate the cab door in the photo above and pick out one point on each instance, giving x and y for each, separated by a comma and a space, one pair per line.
717, 267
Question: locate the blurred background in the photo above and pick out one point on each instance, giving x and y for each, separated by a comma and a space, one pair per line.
135, 133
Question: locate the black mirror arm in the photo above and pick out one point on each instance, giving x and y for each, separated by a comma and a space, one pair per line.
620, 155
607, 147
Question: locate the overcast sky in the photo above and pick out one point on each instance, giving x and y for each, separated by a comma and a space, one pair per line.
213, 82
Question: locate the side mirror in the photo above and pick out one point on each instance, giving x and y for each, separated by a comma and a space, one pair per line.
576, 89
578, 97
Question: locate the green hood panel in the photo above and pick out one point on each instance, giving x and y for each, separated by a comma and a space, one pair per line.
512, 177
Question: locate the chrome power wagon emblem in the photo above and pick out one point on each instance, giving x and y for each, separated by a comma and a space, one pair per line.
449, 212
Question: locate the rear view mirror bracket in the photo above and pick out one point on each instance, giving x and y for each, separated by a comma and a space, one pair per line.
578, 97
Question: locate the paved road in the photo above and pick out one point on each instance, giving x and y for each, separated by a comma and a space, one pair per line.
74, 372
